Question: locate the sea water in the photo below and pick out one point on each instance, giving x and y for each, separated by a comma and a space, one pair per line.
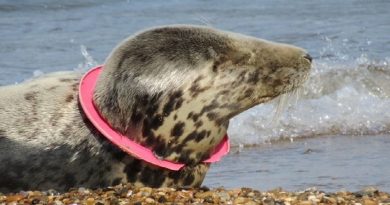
335, 134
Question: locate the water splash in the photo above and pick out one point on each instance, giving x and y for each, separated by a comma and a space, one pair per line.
88, 63
339, 98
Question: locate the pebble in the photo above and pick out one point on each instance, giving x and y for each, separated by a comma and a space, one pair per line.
224, 196
127, 194
90, 201
251, 203
149, 200
13, 198
269, 201
305, 203
369, 202
240, 200
56, 202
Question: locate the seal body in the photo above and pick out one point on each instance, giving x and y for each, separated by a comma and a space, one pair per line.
172, 89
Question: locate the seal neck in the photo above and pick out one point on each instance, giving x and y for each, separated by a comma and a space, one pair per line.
86, 92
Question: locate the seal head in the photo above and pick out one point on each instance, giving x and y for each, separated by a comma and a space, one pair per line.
173, 89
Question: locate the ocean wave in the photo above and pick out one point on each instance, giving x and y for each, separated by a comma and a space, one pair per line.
338, 99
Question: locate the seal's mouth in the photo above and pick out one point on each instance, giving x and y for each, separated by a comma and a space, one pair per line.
292, 93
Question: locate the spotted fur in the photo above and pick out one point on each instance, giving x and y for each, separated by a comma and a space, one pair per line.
171, 88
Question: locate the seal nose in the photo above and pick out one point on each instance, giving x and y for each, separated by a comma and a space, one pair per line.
308, 57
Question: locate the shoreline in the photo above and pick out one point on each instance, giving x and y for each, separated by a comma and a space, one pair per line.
329, 163
127, 194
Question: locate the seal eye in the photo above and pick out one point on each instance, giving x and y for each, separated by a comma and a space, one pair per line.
308, 57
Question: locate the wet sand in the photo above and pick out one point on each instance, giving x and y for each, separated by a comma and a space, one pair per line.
330, 163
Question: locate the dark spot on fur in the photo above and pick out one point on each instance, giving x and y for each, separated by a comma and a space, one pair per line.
254, 77
116, 181
150, 140
190, 115
175, 117
200, 136
69, 180
212, 115
278, 82
178, 129
249, 92
75, 87
195, 90
198, 124
240, 78
30, 96
175, 176
232, 106
191, 136
185, 158
199, 155
218, 63
195, 117
157, 121
52, 88
198, 79
174, 99
66, 79
220, 121
215, 67
146, 129
160, 150
153, 141
214, 104
152, 177
195, 136
189, 179
179, 103
115, 152
133, 169
223, 92
107, 168
155, 98
151, 109
67, 131
136, 116
69, 98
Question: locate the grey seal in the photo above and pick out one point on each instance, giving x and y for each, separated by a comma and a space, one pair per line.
172, 89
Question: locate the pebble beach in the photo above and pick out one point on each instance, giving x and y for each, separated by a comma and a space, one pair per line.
127, 194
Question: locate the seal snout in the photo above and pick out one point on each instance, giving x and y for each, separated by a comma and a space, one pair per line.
308, 57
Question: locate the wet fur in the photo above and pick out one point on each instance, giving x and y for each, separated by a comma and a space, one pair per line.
172, 88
